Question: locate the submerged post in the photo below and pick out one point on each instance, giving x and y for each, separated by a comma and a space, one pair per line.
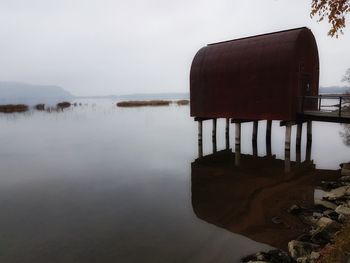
237, 143
287, 165
200, 136
255, 138
308, 141
298, 142
268, 137
227, 133
214, 136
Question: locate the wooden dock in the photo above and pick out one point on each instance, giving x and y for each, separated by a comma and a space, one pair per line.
326, 108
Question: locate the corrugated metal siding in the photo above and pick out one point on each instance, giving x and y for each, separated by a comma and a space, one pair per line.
253, 78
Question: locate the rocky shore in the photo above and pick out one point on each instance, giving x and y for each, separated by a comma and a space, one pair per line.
327, 224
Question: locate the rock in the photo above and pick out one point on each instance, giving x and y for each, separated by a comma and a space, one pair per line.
317, 215
328, 185
342, 209
298, 249
314, 255
321, 237
303, 260
345, 178
250, 258
342, 218
345, 172
324, 222
272, 256
345, 165
331, 214
325, 204
295, 210
276, 220
337, 193
305, 238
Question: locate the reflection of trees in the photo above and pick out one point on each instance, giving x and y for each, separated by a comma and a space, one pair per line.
345, 134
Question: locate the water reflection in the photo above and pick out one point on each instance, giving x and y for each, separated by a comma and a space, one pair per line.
252, 199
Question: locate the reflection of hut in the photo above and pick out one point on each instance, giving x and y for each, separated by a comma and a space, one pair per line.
247, 199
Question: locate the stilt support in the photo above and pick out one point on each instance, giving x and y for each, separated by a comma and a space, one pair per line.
227, 133
255, 138
214, 136
287, 164
298, 142
268, 137
237, 144
308, 141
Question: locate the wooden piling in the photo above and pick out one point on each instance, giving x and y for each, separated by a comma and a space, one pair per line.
308, 141
214, 136
237, 143
227, 133
298, 142
268, 137
287, 164
200, 140
255, 138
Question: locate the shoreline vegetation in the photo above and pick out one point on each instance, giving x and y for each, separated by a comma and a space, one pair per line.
11, 108
17, 108
153, 103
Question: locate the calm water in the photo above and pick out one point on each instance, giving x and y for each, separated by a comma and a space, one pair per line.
105, 184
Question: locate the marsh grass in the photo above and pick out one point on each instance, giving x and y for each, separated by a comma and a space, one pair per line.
182, 102
40, 107
339, 251
11, 108
63, 104
141, 103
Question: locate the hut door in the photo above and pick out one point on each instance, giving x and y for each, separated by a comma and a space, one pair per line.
308, 104
306, 85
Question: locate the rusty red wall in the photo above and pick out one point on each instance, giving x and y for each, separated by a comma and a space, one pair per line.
254, 78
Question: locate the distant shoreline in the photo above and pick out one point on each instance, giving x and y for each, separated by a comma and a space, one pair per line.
152, 103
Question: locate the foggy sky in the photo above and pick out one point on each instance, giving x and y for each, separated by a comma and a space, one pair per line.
102, 47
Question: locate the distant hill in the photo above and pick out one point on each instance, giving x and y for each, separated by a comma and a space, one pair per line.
152, 96
15, 92
142, 96
334, 89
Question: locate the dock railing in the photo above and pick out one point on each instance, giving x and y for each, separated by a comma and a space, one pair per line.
332, 105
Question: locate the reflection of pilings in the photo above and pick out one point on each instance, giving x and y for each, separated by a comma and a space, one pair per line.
287, 167
200, 136
214, 136
308, 141
298, 142
237, 143
227, 133
268, 137
254, 138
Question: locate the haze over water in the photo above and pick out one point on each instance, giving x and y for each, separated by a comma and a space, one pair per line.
107, 184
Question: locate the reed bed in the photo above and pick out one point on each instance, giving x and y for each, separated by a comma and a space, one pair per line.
11, 108
142, 103
182, 102
64, 104
40, 107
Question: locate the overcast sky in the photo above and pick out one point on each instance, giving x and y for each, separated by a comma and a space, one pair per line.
102, 47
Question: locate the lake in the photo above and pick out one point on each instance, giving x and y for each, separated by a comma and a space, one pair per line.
97, 183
